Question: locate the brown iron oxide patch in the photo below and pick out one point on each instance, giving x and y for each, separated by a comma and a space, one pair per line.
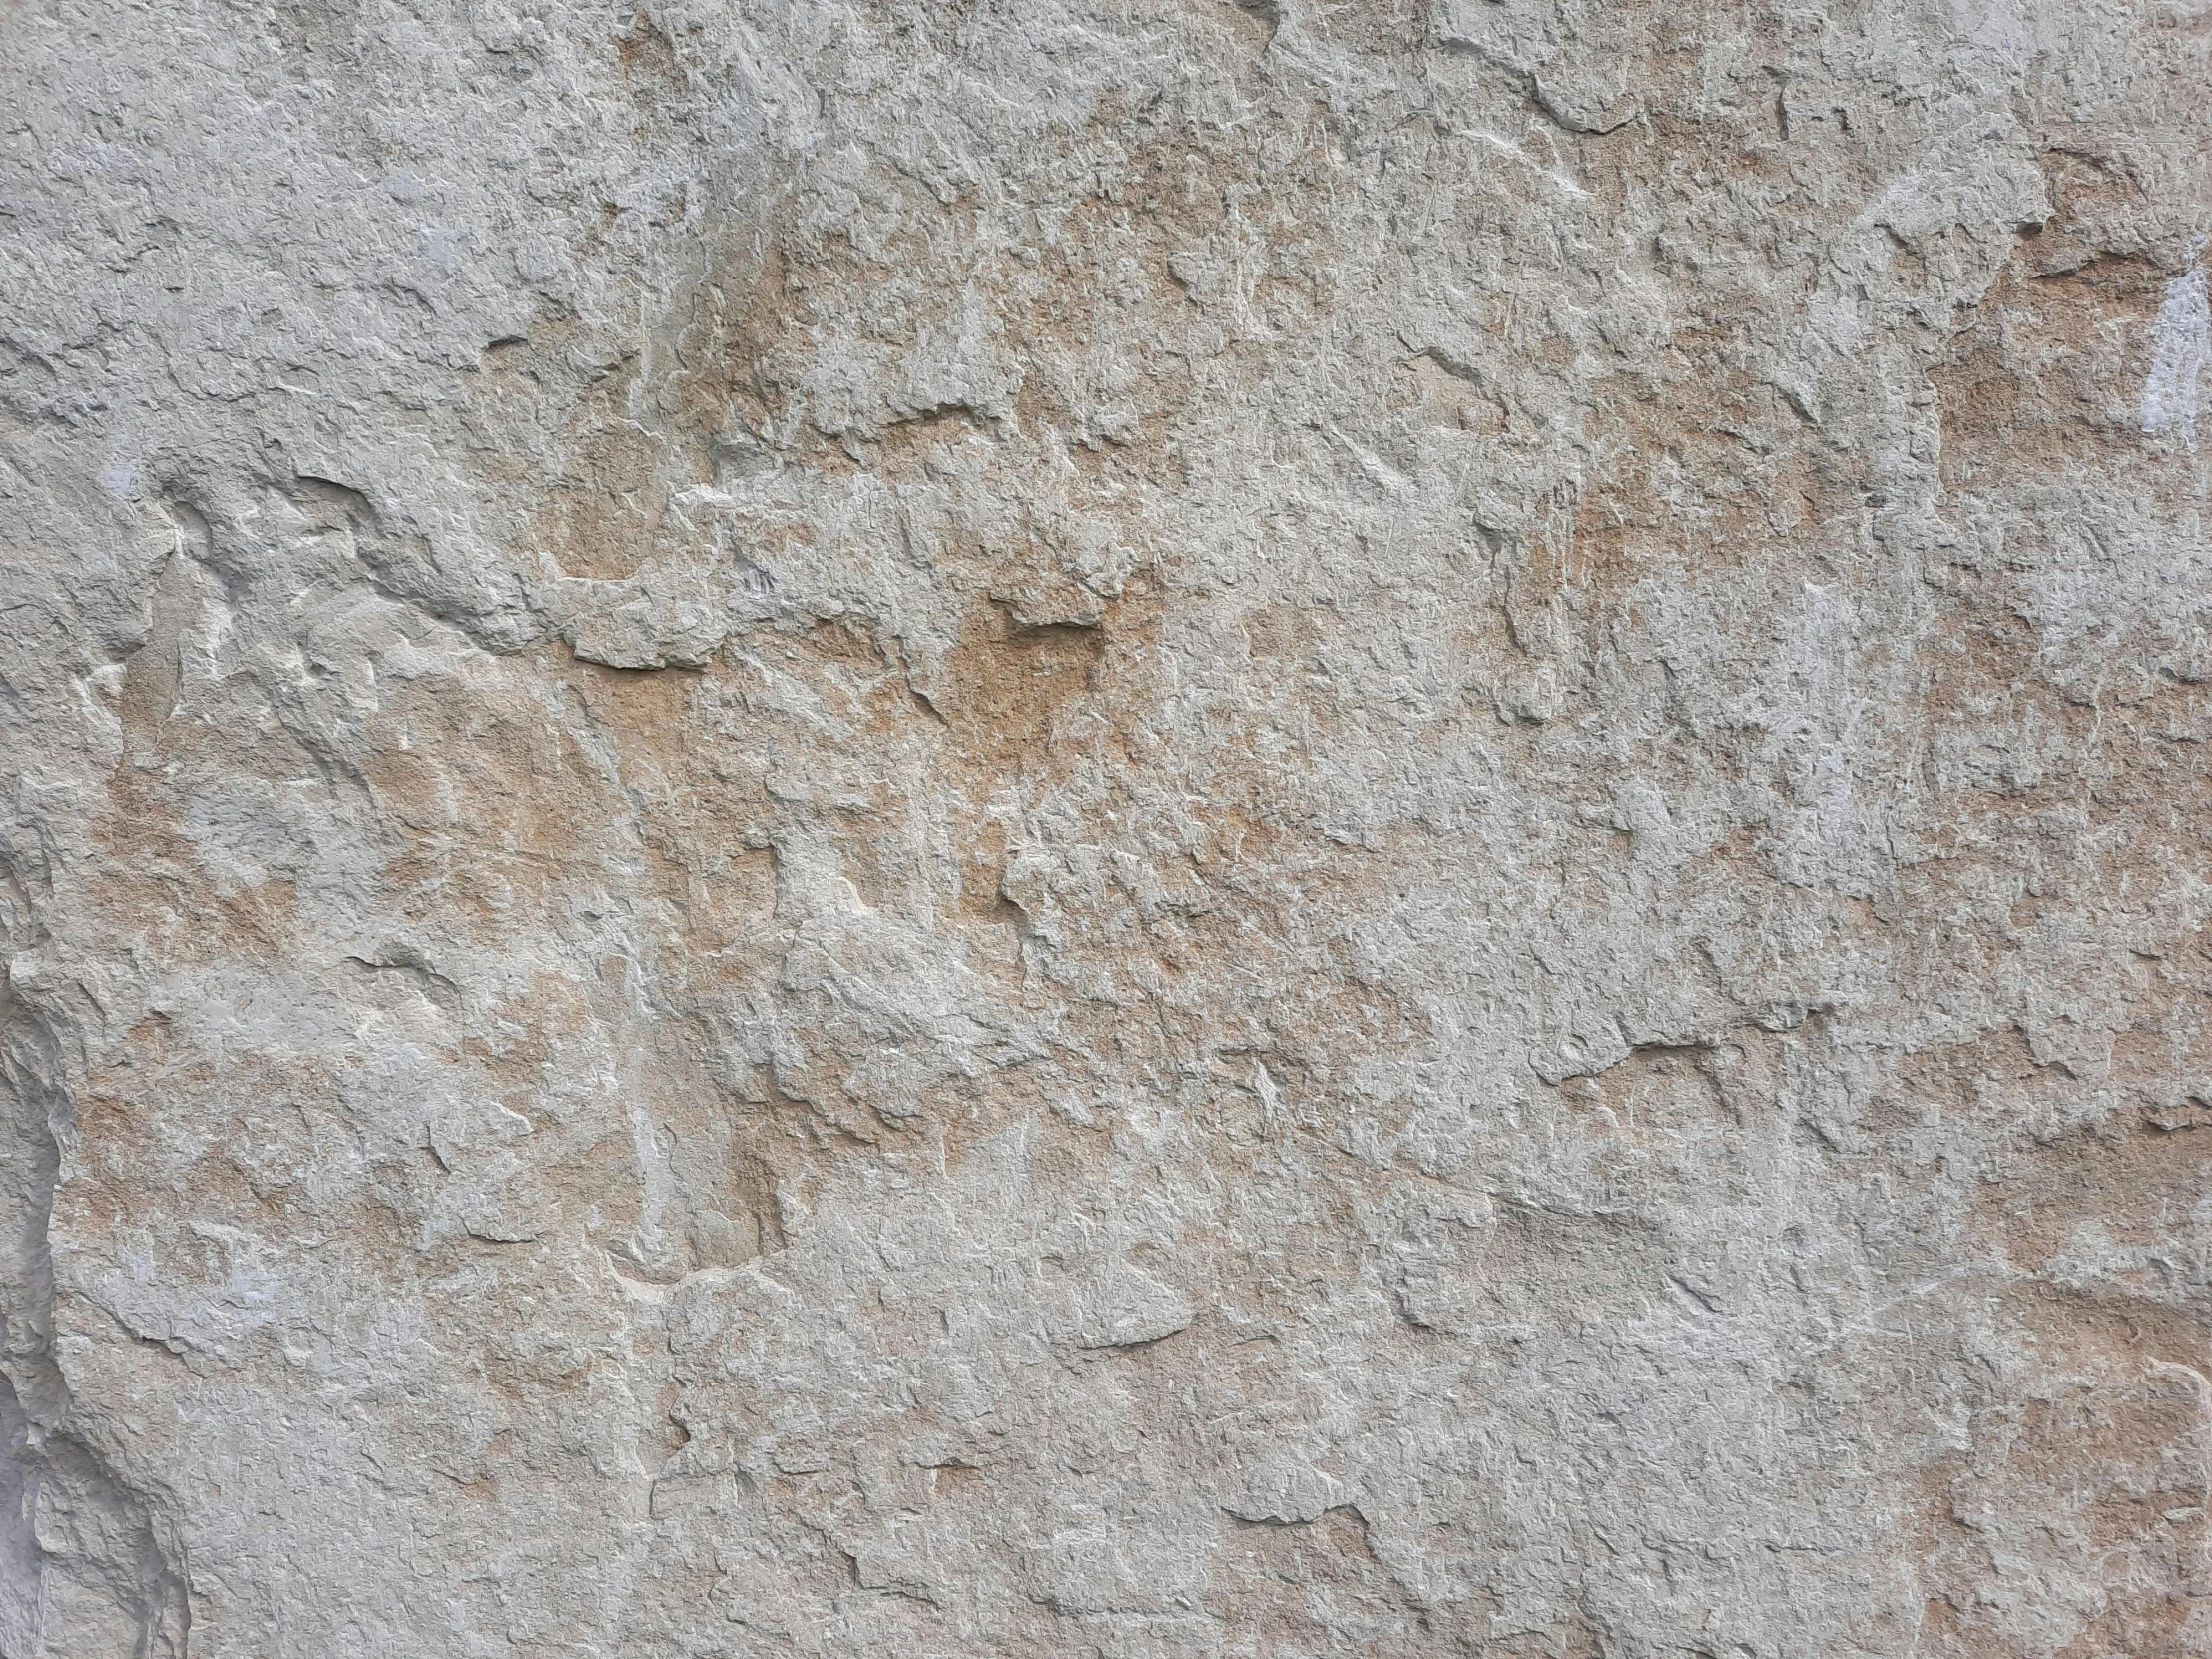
1008, 685
2029, 398
1292, 1589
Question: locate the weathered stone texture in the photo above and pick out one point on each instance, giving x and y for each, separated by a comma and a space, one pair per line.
930, 827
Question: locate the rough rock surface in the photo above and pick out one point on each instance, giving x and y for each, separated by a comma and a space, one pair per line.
928, 827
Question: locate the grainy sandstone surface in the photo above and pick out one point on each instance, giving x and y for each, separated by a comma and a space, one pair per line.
1146, 828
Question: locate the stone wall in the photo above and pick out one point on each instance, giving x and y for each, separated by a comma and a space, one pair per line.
927, 828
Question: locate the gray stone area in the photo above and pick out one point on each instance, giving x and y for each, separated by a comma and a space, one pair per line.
1123, 827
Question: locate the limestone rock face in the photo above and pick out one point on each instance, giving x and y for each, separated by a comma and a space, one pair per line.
917, 827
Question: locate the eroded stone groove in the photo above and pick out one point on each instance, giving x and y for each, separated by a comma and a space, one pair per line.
1177, 828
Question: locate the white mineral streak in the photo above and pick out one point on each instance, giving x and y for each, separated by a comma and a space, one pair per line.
2180, 356
1162, 828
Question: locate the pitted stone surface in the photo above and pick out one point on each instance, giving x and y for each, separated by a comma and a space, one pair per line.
874, 828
